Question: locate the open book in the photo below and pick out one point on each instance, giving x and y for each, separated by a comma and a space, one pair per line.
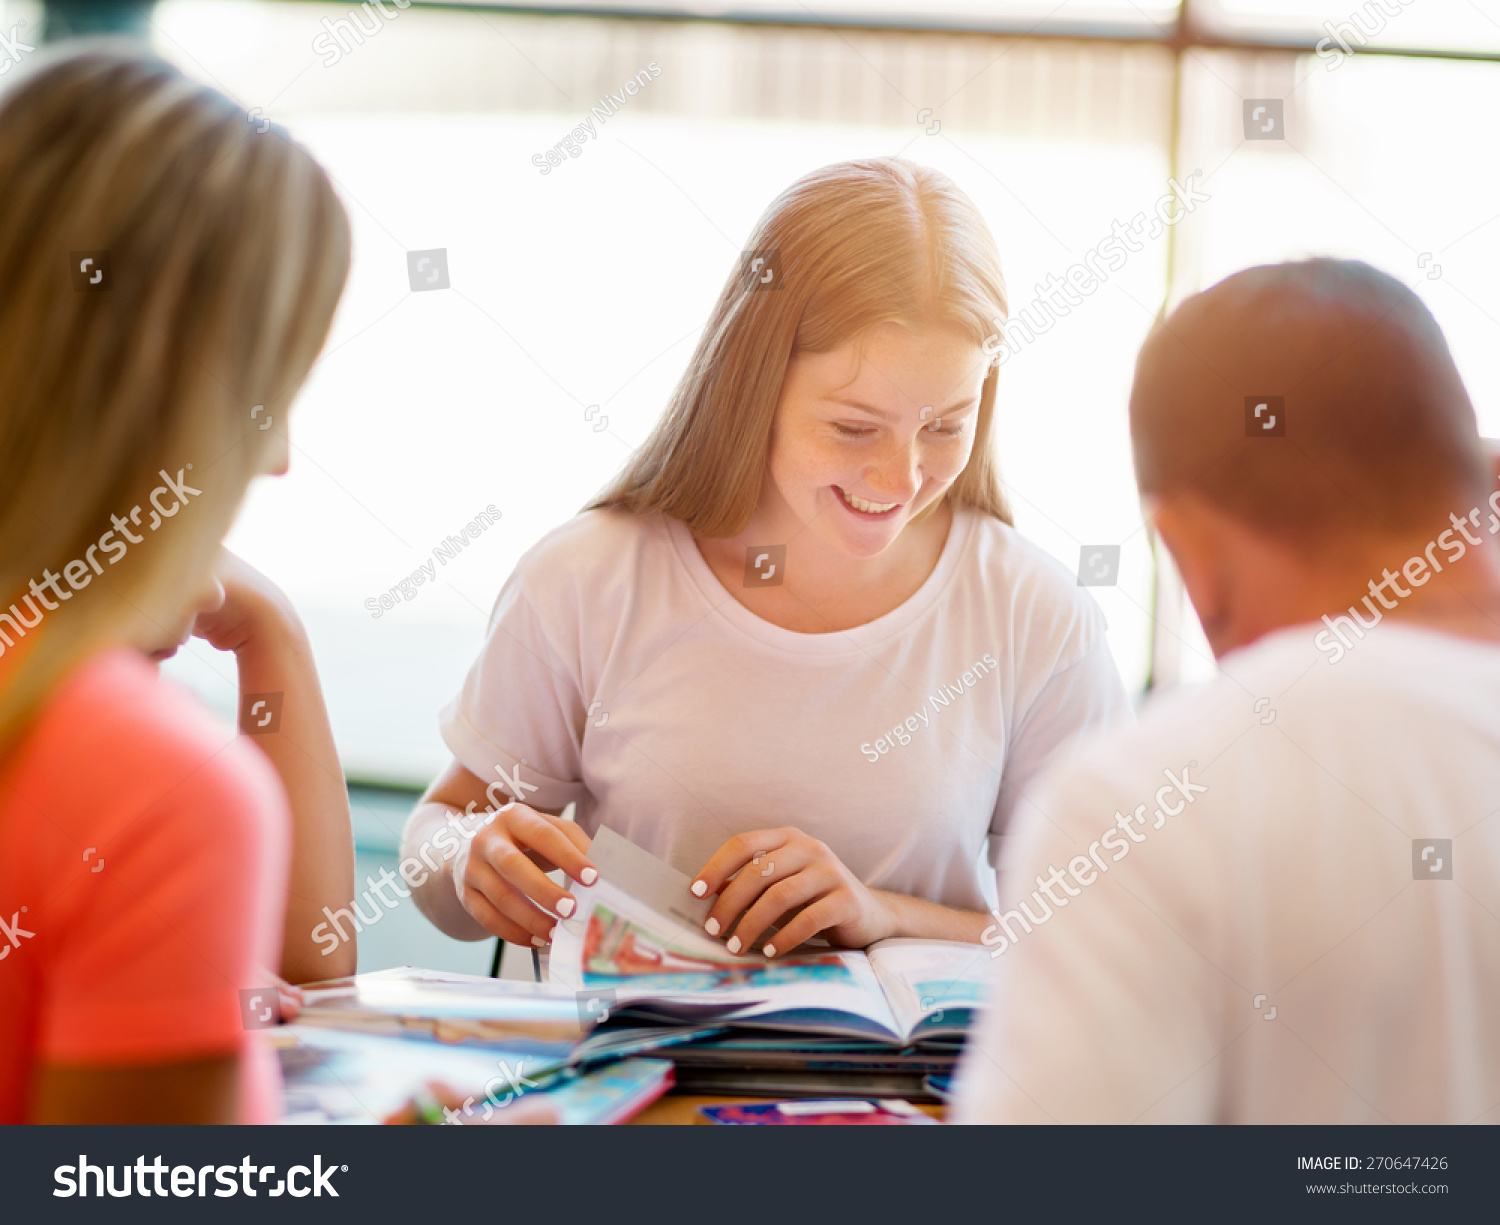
637, 944
450, 1007
546, 1023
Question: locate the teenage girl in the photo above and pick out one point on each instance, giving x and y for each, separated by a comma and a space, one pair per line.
796, 648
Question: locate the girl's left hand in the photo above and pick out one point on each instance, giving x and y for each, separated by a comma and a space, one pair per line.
786, 875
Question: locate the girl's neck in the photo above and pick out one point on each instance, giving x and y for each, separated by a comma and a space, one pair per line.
821, 589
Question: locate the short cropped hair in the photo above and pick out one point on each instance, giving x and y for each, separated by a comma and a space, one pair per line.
1376, 433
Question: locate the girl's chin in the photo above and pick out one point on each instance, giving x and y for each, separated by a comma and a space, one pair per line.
863, 541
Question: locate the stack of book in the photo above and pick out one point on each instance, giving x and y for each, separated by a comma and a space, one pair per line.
639, 999
364, 1048
883, 1021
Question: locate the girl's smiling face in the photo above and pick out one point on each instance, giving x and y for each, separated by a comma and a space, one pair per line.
874, 432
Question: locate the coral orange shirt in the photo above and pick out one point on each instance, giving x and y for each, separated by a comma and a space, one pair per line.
144, 851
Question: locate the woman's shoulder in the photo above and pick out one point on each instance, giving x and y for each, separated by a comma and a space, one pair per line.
113, 735
600, 531
1021, 581
116, 697
1002, 552
593, 551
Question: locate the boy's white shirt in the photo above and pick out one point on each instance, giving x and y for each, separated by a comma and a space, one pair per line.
1278, 951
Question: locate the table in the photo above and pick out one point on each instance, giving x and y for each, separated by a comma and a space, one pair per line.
682, 1108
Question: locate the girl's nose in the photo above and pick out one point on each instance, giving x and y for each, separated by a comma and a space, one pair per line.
896, 478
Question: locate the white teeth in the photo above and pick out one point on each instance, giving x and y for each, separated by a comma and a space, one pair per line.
870, 508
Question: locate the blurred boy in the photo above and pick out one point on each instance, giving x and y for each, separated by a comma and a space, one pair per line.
1278, 898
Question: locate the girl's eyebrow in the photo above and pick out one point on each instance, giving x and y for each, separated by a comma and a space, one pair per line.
951, 411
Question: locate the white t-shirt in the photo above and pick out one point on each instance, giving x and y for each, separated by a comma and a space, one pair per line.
1281, 950
628, 679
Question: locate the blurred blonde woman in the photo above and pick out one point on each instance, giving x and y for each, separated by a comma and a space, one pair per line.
164, 267
798, 630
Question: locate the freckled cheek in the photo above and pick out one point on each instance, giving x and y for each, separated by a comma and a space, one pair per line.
943, 468
810, 467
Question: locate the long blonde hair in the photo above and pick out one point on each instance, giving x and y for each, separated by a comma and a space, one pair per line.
216, 253
854, 244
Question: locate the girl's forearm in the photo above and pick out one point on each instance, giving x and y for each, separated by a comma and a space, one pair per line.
278, 660
425, 841
923, 920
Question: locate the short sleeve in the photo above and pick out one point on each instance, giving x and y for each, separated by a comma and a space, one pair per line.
521, 705
181, 918
1077, 701
163, 840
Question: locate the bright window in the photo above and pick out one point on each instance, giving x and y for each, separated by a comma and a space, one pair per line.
576, 296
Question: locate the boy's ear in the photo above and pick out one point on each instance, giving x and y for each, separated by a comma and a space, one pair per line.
1492, 449
1187, 528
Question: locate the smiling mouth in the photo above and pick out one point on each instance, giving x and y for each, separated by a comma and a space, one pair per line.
864, 507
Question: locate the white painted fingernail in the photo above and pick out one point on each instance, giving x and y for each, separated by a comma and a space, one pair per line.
734, 944
700, 887
712, 926
769, 950
565, 907
588, 876
539, 942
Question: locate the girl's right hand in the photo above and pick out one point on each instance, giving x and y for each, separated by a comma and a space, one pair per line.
500, 876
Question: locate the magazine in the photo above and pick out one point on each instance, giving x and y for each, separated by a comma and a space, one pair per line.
845, 1113
611, 1094
637, 942
540, 1020
336, 1076
449, 1007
